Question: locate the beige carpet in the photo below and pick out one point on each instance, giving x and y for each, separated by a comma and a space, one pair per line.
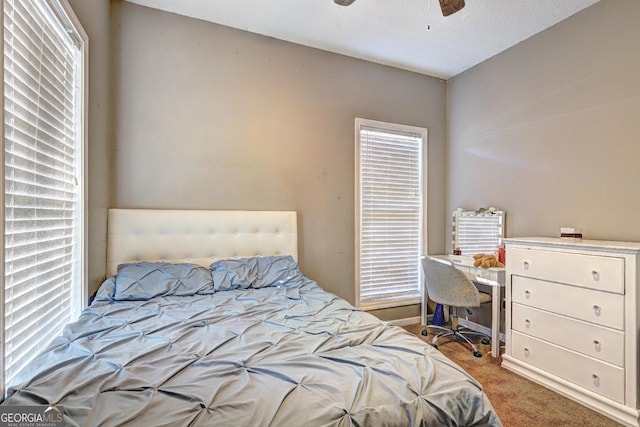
518, 401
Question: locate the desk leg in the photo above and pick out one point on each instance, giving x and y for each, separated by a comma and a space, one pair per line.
495, 321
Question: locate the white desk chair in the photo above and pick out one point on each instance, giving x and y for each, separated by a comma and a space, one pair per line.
449, 286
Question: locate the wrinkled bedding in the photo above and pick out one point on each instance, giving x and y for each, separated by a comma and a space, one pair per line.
236, 351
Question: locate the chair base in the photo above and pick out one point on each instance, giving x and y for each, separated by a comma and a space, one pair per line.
456, 333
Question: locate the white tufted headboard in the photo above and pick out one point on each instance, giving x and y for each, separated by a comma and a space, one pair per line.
197, 236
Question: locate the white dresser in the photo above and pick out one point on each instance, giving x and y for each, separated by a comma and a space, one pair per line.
573, 320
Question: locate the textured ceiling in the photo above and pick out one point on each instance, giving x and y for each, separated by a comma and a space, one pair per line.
408, 34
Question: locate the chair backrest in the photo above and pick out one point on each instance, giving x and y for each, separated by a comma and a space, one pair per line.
447, 285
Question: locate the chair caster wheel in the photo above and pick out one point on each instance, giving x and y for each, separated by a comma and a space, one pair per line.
485, 341
477, 353
434, 346
424, 332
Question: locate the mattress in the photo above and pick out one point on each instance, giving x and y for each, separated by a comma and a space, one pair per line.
250, 342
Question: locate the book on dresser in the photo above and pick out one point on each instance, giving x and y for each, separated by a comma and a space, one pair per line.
573, 320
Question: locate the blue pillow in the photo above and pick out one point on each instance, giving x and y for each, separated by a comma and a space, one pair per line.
256, 272
106, 290
145, 280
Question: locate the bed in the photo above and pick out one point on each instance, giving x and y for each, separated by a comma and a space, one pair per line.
205, 319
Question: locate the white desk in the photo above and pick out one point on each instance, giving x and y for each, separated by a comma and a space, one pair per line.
494, 277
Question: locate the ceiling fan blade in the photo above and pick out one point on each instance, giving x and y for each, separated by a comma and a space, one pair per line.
450, 6
343, 2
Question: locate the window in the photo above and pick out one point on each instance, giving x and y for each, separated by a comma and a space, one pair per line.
43, 217
389, 206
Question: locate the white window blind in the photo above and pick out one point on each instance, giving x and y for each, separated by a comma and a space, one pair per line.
43, 151
389, 217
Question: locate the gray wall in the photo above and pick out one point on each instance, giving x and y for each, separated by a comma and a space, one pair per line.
94, 17
209, 117
550, 129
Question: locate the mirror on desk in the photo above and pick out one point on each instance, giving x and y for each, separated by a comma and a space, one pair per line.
477, 231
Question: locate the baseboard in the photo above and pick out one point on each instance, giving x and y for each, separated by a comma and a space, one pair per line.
407, 321
478, 328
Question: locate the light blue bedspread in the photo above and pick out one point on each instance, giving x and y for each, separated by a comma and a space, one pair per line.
284, 355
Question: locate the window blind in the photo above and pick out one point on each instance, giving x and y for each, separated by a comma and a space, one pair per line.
390, 215
42, 154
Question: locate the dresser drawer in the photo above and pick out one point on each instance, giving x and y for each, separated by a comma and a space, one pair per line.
601, 343
597, 307
589, 271
586, 372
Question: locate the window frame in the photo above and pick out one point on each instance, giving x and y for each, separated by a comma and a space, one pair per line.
401, 128
62, 9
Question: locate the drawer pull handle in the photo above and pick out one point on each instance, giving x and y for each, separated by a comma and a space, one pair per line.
596, 380
597, 344
527, 294
525, 265
597, 309
595, 275
527, 323
526, 351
